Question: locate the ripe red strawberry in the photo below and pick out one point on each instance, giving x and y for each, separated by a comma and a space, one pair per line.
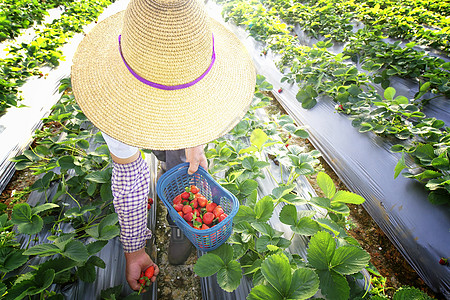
187, 209
218, 211
194, 189
340, 107
280, 90
222, 217
196, 212
443, 261
149, 272
150, 201
208, 218
142, 281
185, 195
210, 206
177, 199
149, 206
178, 207
188, 217
180, 213
202, 201
194, 203
204, 226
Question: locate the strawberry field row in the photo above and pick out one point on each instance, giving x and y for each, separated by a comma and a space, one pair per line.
320, 72
81, 170
25, 59
16, 15
335, 19
63, 156
275, 214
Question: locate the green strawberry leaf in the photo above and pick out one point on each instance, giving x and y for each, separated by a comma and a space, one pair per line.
326, 184
347, 197
26, 222
244, 214
258, 138
349, 260
304, 285
41, 281
282, 190
76, 250
264, 209
95, 247
43, 207
208, 265
400, 166
11, 259
321, 250
288, 215
333, 285
264, 292
229, 276
277, 271
43, 250
225, 252
306, 226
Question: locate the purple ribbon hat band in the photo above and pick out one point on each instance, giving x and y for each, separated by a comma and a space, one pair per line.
168, 87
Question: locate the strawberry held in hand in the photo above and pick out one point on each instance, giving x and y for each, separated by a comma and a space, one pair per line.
146, 277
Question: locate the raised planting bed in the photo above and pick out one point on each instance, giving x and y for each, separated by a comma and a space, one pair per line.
365, 164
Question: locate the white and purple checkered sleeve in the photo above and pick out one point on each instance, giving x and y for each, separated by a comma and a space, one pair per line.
130, 187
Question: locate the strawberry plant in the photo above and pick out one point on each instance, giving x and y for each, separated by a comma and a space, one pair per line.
392, 60
81, 177
406, 293
319, 73
21, 14
25, 59
255, 248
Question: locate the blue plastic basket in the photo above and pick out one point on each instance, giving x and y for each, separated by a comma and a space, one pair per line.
173, 183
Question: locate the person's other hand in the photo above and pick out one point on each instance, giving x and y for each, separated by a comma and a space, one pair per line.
196, 156
138, 262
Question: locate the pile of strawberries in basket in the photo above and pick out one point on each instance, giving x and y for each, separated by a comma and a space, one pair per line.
196, 210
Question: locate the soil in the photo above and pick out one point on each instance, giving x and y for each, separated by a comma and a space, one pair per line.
174, 282
15, 191
180, 282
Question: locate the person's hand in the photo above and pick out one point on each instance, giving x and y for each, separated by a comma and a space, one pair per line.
196, 156
138, 262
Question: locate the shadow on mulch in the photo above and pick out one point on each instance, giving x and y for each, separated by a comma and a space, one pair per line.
174, 282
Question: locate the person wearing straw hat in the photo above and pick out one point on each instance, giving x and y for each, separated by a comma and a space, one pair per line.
161, 75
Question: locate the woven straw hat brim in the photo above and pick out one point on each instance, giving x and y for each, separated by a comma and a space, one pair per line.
142, 116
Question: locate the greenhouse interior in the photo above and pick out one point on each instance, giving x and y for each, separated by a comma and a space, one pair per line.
318, 132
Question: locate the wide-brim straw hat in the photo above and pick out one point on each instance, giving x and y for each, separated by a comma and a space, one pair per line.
171, 43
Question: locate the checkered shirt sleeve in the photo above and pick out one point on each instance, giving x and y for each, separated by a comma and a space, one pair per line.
130, 187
